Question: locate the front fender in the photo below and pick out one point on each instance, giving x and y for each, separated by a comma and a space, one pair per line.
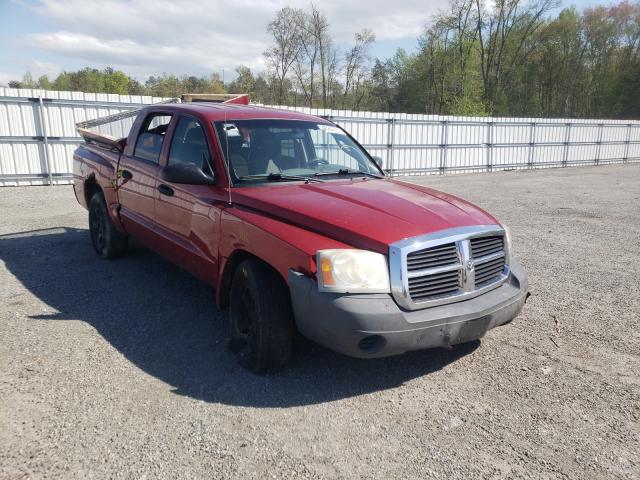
283, 246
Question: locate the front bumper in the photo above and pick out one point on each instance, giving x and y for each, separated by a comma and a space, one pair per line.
373, 325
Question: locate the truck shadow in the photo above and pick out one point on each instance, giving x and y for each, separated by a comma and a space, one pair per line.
166, 323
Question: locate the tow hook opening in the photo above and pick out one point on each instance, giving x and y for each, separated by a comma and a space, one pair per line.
372, 344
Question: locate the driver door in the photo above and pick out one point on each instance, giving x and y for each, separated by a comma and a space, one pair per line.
188, 216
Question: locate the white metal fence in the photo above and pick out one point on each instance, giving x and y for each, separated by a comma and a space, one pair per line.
37, 137
38, 133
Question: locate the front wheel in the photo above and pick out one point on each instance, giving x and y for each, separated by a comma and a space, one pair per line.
260, 318
107, 241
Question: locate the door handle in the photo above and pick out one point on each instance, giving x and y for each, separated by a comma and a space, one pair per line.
126, 174
165, 190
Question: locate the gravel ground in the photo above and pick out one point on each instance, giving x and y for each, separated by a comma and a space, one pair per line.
119, 369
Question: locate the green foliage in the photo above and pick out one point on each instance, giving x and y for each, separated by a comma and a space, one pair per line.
522, 62
92, 80
467, 107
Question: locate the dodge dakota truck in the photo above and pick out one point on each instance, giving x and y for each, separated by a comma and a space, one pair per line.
298, 229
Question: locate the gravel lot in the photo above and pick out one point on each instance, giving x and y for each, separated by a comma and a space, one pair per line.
120, 370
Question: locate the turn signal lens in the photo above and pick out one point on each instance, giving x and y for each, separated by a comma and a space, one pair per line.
326, 272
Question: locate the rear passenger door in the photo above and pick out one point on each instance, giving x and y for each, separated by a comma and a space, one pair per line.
138, 172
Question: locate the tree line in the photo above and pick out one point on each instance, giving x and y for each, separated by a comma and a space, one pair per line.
504, 58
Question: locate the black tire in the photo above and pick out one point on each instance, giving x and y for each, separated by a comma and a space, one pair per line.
108, 242
260, 318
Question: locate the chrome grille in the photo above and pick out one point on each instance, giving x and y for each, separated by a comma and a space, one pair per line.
432, 257
447, 266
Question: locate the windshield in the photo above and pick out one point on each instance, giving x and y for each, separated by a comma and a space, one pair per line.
286, 150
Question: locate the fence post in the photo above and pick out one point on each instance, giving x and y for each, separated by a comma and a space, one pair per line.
599, 143
567, 140
532, 139
43, 129
444, 142
626, 143
489, 146
391, 132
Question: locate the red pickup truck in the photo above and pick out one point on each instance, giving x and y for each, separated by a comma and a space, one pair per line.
298, 229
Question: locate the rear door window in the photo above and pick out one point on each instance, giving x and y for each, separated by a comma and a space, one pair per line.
151, 136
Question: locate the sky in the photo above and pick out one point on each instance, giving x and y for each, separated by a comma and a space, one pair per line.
195, 37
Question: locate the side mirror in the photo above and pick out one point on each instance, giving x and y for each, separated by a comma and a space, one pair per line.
378, 161
187, 173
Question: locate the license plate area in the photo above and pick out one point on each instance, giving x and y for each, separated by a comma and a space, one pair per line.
472, 330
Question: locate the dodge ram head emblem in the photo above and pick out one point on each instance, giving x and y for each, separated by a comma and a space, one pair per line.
469, 266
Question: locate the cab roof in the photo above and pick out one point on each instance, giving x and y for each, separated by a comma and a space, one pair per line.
226, 111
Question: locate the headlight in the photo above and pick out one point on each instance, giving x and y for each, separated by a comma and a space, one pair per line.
352, 271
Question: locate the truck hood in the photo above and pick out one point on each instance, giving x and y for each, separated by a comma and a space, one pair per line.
364, 213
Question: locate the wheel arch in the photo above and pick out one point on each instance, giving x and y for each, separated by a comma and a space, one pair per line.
91, 187
228, 270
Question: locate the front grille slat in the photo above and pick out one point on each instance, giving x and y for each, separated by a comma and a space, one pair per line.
432, 280
436, 288
484, 273
428, 282
486, 240
453, 286
430, 296
488, 274
427, 255
414, 267
490, 262
483, 246
483, 252
439, 256
488, 265
434, 276
451, 257
489, 271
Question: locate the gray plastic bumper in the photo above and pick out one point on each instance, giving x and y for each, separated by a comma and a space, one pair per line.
372, 325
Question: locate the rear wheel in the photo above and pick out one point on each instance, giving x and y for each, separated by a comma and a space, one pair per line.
260, 318
107, 241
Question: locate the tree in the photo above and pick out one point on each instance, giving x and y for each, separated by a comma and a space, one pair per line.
286, 31
503, 31
27, 81
115, 81
381, 91
319, 30
244, 82
306, 61
357, 68
63, 82
262, 90
44, 83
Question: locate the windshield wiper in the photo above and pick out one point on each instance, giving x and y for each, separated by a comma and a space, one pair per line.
276, 177
347, 171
